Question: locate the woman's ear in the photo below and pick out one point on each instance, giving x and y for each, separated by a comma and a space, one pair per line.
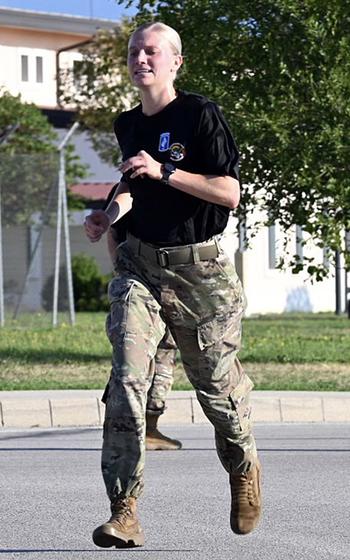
178, 61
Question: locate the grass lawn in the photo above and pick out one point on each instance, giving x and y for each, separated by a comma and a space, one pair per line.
281, 352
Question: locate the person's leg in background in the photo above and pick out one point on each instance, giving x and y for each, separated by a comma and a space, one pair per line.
161, 382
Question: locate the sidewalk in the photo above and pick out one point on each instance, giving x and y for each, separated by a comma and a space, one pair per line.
48, 409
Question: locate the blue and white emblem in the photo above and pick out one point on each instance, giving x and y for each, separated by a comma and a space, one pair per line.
164, 142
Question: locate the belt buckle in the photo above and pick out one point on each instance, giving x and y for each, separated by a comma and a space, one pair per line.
163, 258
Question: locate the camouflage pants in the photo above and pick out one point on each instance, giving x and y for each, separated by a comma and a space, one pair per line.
202, 304
162, 375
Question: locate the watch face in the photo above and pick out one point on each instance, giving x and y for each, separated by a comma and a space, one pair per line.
169, 167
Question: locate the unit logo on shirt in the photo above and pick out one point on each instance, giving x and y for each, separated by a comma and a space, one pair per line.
164, 142
177, 151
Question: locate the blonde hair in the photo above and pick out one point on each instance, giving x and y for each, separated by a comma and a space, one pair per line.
170, 34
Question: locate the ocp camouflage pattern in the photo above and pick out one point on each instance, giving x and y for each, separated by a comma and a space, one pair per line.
202, 305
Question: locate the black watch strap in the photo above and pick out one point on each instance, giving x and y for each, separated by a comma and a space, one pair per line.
167, 170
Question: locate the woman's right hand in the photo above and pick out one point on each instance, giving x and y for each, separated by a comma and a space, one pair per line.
96, 224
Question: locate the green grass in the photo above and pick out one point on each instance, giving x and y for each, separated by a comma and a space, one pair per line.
286, 352
296, 338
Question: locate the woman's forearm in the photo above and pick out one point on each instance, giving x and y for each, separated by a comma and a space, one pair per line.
121, 204
223, 190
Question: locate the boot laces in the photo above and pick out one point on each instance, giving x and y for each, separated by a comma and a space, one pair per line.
121, 510
242, 489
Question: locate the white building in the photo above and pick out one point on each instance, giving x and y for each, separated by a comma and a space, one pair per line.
271, 290
32, 44
32, 47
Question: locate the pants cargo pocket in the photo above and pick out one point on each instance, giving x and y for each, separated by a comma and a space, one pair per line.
218, 341
118, 295
211, 330
240, 401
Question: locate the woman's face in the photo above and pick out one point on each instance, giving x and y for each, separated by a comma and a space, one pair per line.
151, 60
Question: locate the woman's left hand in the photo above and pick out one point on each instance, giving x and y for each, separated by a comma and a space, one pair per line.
142, 164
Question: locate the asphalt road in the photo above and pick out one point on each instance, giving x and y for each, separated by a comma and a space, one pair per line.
52, 496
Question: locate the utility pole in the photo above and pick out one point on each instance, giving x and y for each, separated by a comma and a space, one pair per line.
62, 215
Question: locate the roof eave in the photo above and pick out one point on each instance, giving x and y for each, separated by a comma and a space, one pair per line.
59, 23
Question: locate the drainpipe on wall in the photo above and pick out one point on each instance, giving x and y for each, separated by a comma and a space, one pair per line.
346, 272
338, 298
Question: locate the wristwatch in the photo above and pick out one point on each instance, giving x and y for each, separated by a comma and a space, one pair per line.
167, 170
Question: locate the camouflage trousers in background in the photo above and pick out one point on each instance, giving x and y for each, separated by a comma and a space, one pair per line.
202, 305
161, 374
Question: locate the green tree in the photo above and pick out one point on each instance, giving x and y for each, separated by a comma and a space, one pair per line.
100, 88
29, 160
280, 70
34, 133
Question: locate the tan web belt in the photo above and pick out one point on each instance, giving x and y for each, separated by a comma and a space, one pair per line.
172, 256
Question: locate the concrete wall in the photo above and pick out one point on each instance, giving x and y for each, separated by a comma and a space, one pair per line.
15, 251
18, 241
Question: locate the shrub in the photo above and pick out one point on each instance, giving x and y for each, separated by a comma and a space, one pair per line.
90, 286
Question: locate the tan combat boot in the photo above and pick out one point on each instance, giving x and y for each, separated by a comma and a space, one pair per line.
123, 530
155, 440
246, 500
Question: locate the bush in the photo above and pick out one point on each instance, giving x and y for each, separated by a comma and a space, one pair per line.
90, 286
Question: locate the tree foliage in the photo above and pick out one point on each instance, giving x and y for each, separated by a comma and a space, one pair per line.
34, 133
280, 70
29, 161
100, 88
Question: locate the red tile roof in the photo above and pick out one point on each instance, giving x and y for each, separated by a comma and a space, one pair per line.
92, 191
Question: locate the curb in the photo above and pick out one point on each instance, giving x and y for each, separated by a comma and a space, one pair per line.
53, 409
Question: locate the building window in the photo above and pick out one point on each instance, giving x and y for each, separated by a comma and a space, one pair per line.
24, 68
83, 72
272, 246
77, 68
299, 248
39, 69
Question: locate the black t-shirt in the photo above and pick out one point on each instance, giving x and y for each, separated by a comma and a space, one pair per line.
191, 133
